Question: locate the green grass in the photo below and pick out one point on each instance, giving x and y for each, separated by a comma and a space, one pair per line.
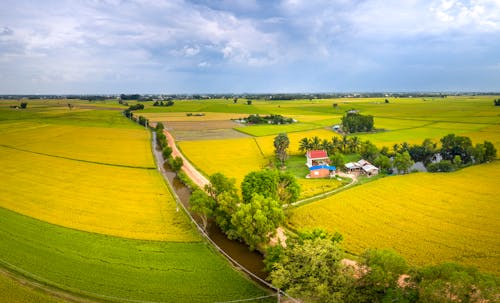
13, 292
89, 264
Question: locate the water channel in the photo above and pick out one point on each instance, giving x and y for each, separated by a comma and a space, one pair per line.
251, 261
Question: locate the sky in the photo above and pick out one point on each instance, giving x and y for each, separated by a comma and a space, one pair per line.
248, 46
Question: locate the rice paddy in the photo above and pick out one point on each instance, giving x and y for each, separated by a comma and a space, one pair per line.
84, 210
428, 218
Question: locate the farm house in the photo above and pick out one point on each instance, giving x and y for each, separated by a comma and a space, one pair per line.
321, 171
317, 157
363, 167
318, 163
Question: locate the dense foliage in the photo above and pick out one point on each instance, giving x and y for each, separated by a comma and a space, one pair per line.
312, 267
281, 144
270, 119
354, 122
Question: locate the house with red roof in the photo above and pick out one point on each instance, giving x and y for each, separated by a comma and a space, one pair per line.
318, 163
316, 157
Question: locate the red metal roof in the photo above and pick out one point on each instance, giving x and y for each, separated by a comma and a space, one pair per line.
317, 154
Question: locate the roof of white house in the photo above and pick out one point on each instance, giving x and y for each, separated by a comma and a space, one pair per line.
352, 165
369, 168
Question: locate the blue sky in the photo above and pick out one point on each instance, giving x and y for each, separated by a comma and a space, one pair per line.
254, 46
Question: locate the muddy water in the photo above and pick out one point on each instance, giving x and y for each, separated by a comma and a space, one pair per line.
253, 261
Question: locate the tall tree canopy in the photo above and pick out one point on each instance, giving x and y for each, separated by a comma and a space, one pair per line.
281, 144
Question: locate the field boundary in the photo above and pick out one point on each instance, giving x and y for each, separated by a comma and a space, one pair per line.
74, 159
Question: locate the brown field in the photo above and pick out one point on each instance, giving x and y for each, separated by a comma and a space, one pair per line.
203, 130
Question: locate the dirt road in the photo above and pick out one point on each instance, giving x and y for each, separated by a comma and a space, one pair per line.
188, 168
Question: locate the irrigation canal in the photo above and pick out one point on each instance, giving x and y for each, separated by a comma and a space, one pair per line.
251, 261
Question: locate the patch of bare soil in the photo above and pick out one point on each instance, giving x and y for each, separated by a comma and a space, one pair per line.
203, 130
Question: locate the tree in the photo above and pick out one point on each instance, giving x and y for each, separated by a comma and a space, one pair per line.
384, 163
490, 152
312, 271
263, 182
344, 144
220, 184
338, 160
353, 122
369, 151
143, 121
167, 152
452, 145
403, 162
288, 188
479, 153
354, 144
451, 282
249, 102
281, 144
496, 102
384, 268
315, 143
24, 105
203, 205
176, 164
304, 145
255, 222
159, 127
282, 187
457, 161
225, 194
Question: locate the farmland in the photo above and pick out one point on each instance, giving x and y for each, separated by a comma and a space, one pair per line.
84, 209
428, 218
96, 265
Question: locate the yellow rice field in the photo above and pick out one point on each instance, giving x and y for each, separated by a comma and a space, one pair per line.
118, 201
428, 218
234, 158
121, 146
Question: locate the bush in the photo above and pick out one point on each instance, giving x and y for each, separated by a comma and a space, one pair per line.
443, 166
24, 105
167, 152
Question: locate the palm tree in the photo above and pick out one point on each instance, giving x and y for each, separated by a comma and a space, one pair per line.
354, 144
336, 144
326, 145
345, 143
304, 144
316, 143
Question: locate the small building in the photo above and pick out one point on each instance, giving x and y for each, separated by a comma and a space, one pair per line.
370, 170
363, 167
317, 157
321, 171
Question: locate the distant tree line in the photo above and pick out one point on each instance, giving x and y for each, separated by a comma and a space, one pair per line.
270, 119
161, 103
354, 122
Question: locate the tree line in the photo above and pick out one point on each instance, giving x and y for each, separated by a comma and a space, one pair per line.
455, 151
254, 217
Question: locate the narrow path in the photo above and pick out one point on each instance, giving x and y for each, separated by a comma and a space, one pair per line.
187, 167
353, 177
